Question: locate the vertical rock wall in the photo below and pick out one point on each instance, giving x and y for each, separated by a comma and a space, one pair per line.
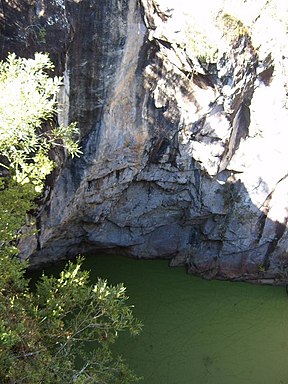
183, 154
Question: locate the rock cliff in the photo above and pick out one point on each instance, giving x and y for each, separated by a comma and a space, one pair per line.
183, 117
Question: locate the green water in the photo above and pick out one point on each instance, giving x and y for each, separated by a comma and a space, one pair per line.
197, 331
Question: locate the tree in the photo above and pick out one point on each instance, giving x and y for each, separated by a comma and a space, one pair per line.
28, 99
60, 331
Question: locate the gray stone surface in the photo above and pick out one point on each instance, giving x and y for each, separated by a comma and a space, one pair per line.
181, 160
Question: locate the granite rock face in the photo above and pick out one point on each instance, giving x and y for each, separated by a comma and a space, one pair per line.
184, 154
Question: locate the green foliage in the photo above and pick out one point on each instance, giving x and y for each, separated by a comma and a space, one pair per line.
42, 33
61, 331
199, 45
15, 200
28, 99
66, 323
233, 27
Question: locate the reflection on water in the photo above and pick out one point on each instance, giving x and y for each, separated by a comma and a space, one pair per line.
197, 331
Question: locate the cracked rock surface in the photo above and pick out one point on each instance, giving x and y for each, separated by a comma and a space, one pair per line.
184, 151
